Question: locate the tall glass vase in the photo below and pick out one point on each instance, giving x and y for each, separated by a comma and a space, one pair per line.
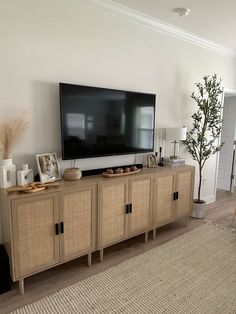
7, 173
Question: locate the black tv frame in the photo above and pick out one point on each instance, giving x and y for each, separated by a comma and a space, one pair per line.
105, 155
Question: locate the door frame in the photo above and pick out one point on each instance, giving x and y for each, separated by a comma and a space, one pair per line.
232, 92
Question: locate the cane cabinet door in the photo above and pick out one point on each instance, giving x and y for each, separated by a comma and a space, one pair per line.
112, 216
163, 204
77, 222
140, 202
184, 188
35, 238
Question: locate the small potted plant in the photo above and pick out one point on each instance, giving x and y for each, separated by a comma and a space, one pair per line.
201, 141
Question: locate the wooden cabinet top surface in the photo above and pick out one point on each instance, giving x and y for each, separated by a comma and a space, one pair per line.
93, 180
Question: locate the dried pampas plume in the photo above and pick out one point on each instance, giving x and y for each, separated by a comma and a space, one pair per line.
10, 133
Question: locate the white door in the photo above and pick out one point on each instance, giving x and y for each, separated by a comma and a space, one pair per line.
227, 136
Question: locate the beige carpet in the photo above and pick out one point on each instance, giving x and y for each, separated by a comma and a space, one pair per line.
224, 222
193, 273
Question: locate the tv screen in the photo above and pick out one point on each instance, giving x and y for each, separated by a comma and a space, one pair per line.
103, 122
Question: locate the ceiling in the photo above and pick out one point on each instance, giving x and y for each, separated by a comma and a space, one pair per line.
214, 20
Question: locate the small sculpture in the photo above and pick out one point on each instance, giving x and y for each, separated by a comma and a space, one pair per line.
127, 169
109, 171
119, 170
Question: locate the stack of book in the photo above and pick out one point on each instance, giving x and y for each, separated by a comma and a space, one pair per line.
174, 162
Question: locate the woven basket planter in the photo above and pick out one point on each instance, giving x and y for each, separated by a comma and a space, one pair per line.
72, 174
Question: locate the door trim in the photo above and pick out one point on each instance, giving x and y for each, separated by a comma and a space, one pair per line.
225, 91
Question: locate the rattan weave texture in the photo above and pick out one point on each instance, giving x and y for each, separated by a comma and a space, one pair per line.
35, 233
140, 218
184, 188
113, 212
72, 174
77, 221
164, 198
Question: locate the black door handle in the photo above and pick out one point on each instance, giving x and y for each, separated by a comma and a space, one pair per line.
128, 208
57, 229
176, 196
62, 227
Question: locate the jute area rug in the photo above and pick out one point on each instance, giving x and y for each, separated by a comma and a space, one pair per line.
193, 273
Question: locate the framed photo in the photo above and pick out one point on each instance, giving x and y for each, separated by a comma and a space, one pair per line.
151, 161
48, 167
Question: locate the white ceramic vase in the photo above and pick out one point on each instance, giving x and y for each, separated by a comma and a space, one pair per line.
199, 209
7, 173
25, 176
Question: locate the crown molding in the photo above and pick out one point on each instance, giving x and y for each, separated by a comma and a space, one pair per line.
133, 16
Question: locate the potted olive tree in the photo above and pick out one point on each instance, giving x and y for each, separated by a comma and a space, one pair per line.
201, 141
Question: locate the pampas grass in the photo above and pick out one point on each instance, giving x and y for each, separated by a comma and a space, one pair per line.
10, 133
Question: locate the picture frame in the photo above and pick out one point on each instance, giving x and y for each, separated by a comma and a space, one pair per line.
151, 161
48, 167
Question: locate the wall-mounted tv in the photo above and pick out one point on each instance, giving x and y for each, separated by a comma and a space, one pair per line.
99, 122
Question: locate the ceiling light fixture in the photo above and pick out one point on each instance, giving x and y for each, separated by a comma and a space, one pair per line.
183, 11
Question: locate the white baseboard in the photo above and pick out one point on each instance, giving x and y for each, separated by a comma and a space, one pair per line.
209, 199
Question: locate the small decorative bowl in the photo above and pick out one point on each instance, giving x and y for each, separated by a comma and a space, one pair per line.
72, 174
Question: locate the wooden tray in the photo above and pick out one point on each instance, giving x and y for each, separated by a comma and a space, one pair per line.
32, 187
114, 175
35, 189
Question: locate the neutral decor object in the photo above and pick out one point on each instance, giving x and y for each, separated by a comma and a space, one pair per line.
32, 187
77, 218
192, 273
72, 174
10, 133
151, 161
48, 167
202, 140
25, 176
7, 173
174, 162
161, 159
175, 135
160, 143
120, 172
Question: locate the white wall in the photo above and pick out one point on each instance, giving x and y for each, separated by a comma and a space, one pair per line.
45, 42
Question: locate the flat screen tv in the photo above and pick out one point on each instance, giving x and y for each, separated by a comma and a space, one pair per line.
99, 122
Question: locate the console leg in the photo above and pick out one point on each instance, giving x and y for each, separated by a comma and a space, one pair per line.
101, 255
154, 234
21, 286
89, 259
146, 237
